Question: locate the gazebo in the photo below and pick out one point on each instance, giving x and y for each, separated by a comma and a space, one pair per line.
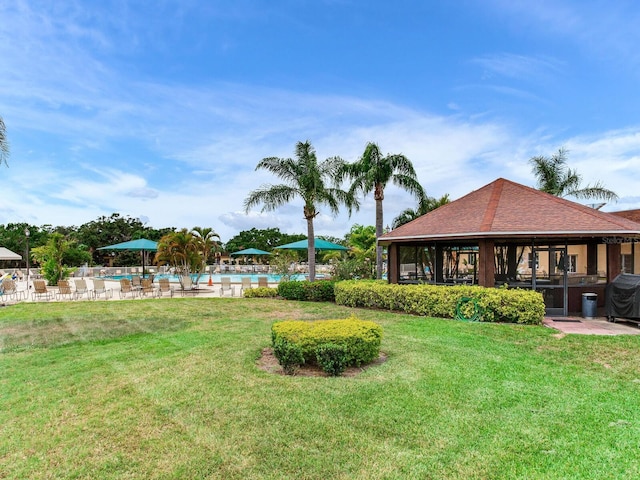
507, 233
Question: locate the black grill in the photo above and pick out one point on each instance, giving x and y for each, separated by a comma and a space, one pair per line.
622, 298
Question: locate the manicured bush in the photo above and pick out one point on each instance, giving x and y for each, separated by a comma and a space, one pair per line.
289, 355
318, 291
261, 292
497, 304
361, 338
332, 358
293, 290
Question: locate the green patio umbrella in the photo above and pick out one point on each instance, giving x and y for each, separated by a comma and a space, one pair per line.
141, 244
251, 251
320, 244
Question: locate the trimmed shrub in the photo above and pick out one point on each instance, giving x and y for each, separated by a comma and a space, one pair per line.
261, 292
318, 291
497, 304
289, 355
361, 338
293, 290
332, 358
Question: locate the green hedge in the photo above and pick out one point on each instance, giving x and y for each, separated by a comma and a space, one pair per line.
361, 338
261, 292
497, 304
318, 291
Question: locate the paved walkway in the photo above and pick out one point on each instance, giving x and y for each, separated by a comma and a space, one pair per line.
596, 326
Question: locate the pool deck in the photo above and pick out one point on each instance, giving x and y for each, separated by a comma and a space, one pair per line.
204, 290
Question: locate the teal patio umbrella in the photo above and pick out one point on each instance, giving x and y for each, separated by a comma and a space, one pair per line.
141, 245
320, 244
251, 251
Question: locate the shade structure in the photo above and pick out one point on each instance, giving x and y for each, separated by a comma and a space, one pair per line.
251, 251
141, 245
320, 244
6, 254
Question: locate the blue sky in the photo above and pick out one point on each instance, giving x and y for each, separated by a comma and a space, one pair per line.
161, 110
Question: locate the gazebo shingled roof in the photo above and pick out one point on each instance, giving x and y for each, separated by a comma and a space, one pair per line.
505, 209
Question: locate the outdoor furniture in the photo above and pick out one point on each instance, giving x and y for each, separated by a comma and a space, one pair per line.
81, 288
40, 290
127, 289
263, 282
246, 284
136, 282
164, 287
99, 288
64, 290
148, 288
225, 286
10, 290
187, 285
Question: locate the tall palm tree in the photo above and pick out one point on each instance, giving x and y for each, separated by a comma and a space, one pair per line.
307, 179
372, 172
4, 143
555, 177
426, 205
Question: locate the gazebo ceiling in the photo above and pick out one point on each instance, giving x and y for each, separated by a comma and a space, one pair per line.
505, 209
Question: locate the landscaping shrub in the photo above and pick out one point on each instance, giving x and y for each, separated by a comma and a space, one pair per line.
261, 292
361, 338
318, 291
289, 355
293, 290
332, 358
496, 304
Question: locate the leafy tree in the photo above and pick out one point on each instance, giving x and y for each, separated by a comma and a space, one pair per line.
372, 173
426, 205
555, 177
207, 243
4, 143
51, 258
307, 179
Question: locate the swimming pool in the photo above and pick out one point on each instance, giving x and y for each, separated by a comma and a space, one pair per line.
215, 277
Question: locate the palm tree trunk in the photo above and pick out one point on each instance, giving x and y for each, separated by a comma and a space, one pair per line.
311, 250
379, 196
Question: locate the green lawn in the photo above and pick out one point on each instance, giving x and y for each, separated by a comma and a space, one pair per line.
170, 389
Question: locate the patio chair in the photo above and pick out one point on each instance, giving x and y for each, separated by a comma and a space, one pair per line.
263, 282
164, 287
81, 288
64, 290
136, 282
40, 290
246, 284
187, 285
10, 290
148, 288
225, 285
127, 289
99, 288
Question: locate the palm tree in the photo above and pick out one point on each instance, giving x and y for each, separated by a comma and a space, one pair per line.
426, 205
207, 242
555, 177
372, 172
307, 179
4, 143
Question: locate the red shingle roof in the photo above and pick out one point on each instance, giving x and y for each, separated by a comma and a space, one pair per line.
505, 209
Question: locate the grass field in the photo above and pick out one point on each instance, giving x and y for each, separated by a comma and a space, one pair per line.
170, 389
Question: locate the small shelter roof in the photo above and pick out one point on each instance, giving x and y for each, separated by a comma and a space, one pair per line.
505, 209
6, 254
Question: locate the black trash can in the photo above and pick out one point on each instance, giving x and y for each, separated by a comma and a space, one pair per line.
589, 305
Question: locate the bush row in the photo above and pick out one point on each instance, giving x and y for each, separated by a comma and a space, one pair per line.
318, 291
496, 304
261, 292
360, 338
